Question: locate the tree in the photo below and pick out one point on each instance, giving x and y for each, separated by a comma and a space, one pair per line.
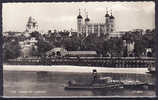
35, 34
114, 46
11, 50
43, 47
139, 47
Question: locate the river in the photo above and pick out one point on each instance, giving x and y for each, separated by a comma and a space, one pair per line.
50, 80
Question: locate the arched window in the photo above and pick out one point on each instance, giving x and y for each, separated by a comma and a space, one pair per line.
58, 53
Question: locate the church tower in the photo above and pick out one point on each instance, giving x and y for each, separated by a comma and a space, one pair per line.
79, 23
112, 23
107, 23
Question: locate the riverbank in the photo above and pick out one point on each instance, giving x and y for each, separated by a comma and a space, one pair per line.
74, 69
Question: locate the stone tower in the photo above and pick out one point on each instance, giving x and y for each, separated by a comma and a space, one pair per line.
112, 23
86, 24
31, 25
107, 23
79, 23
87, 19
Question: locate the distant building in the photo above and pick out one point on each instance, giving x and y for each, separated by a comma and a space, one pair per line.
31, 25
82, 53
12, 34
138, 30
148, 52
116, 34
72, 33
130, 47
56, 52
60, 52
28, 47
86, 28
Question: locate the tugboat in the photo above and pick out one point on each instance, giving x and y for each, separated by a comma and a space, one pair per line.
96, 83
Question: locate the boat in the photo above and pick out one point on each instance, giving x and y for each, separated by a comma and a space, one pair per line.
96, 82
100, 83
133, 84
107, 83
137, 85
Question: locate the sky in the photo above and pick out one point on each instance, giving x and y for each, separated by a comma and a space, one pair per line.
62, 15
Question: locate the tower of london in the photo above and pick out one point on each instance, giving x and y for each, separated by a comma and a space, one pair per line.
85, 27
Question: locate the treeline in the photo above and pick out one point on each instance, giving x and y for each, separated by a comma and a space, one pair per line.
102, 45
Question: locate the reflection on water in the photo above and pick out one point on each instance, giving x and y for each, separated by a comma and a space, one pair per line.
20, 83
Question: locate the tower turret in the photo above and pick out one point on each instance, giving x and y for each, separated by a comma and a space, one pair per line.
31, 25
111, 16
106, 15
79, 23
112, 24
86, 23
107, 22
87, 19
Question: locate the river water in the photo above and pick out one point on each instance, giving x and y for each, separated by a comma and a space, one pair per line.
48, 83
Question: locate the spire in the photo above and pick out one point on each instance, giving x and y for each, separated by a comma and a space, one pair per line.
87, 19
106, 15
85, 11
79, 16
79, 12
106, 10
87, 14
111, 16
30, 19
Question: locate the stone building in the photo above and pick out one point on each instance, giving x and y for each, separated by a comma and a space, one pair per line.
130, 47
31, 25
85, 27
28, 47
